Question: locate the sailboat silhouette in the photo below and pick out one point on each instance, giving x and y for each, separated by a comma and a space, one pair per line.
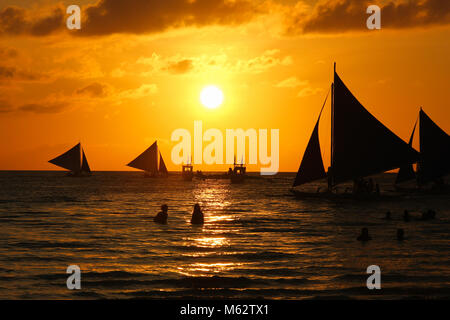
434, 162
151, 162
75, 161
360, 144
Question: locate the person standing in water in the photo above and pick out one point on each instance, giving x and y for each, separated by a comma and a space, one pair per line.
197, 215
364, 235
161, 217
406, 216
400, 234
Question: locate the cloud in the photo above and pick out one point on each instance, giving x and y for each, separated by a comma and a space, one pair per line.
53, 103
51, 107
5, 106
308, 91
180, 67
8, 73
93, 94
8, 53
108, 17
291, 82
98, 90
336, 16
262, 63
151, 16
94, 90
87, 96
177, 64
18, 21
143, 91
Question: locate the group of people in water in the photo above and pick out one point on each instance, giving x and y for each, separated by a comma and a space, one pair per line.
197, 216
364, 236
362, 186
199, 219
427, 215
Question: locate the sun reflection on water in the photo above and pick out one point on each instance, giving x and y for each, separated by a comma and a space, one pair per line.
215, 197
206, 269
210, 242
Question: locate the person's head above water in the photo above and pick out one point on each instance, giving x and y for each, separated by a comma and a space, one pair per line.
400, 234
197, 208
364, 235
365, 232
164, 208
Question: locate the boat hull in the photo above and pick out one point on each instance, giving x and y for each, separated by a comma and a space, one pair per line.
441, 190
342, 196
79, 174
155, 176
187, 176
236, 179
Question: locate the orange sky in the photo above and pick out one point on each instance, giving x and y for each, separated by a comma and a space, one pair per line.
134, 74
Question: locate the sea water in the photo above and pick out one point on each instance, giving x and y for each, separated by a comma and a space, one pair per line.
257, 240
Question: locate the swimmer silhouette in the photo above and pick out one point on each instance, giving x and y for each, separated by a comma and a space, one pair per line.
400, 234
364, 235
406, 216
429, 215
388, 216
197, 215
161, 217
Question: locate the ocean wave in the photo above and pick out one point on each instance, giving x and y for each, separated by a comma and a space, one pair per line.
36, 244
264, 255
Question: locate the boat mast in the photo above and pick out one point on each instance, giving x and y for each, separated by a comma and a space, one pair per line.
330, 169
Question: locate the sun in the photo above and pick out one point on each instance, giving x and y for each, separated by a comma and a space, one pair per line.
211, 97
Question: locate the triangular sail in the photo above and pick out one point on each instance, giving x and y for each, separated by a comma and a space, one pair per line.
362, 145
311, 167
70, 160
406, 172
147, 161
84, 164
162, 165
434, 151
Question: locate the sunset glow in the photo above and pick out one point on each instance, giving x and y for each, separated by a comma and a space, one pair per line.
117, 85
200, 154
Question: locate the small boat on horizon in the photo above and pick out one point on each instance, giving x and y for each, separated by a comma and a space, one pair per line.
75, 161
151, 162
187, 172
238, 173
361, 146
434, 162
